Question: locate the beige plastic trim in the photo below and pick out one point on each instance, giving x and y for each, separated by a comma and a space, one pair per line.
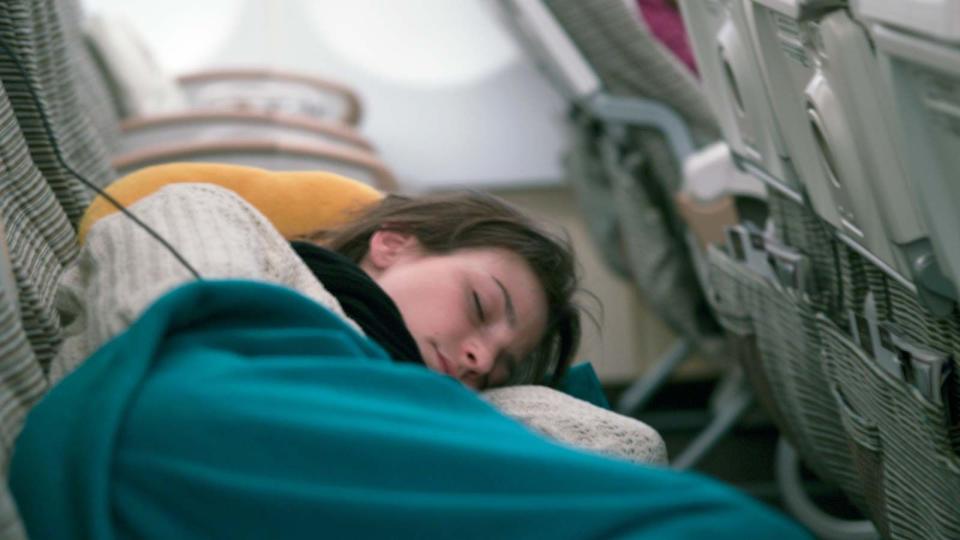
354, 106
385, 180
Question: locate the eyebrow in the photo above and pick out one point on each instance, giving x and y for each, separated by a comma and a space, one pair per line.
511, 313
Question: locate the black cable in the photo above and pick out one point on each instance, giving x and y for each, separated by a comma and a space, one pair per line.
78, 176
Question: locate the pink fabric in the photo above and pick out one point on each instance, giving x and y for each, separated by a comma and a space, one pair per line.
664, 20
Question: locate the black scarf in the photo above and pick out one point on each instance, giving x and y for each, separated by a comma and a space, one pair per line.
362, 300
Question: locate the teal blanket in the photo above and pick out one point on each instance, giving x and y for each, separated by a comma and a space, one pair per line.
243, 410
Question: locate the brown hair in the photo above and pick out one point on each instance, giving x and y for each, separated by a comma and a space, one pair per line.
447, 222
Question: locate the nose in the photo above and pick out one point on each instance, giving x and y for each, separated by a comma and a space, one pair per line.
478, 356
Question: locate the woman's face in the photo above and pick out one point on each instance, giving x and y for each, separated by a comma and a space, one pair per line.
474, 313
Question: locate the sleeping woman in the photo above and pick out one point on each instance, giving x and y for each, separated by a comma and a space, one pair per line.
280, 396
463, 283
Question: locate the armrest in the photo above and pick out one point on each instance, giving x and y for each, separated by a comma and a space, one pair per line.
645, 113
711, 184
211, 125
707, 220
268, 154
263, 88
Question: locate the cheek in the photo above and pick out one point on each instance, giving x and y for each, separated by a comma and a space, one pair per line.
432, 310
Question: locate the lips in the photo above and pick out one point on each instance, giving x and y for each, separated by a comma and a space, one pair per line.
444, 363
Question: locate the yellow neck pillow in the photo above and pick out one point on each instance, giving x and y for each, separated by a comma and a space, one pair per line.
297, 203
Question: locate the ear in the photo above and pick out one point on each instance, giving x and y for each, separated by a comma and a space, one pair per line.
386, 248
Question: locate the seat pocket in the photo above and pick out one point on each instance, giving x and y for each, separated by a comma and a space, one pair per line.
729, 296
866, 447
788, 338
900, 440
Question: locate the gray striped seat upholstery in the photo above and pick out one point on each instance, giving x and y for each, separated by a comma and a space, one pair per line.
39, 204
41, 242
33, 29
630, 61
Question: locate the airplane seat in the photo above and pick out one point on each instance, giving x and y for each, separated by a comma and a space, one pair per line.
38, 242
594, 191
842, 294
769, 282
728, 63
555, 56
824, 82
717, 194
639, 114
614, 39
580, 61
889, 270
666, 23
771, 297
918, 47
538, 29
45, 69
788, 265
643, 166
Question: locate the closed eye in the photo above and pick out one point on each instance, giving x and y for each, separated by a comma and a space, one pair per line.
476, 302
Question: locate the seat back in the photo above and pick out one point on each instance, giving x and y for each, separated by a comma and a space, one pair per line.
550, 48
937, 20
39, 242
34, 32
835, 117
548, 45
728, 66
630, 61
623, 164
853, 333
39, 203
920, 68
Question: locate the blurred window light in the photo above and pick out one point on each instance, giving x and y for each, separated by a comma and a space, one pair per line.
182, 34
416, 42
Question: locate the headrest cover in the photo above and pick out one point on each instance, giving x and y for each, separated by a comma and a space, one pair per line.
297, 203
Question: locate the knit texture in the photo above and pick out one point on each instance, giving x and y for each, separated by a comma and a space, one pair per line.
122, 269
580, 424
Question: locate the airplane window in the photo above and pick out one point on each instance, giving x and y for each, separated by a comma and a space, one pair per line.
416, 42
183, 34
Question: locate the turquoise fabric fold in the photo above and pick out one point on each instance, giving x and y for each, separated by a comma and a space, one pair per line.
244, 410
581, 382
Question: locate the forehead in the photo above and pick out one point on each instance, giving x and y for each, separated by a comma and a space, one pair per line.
498, 262
491, 256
